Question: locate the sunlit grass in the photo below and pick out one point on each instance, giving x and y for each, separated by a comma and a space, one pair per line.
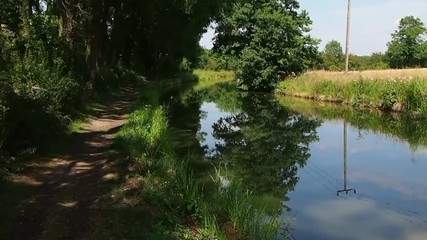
396, 90
208, 78
389, 74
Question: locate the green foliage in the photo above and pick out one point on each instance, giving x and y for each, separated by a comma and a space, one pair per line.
209, 78
333, 59
249, 219
54, 56
110, 79
415, 95
333, 56
145, 134
268, 39
408, 45
210, 60
42, 97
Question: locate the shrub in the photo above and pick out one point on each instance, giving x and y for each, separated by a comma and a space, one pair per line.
40, 96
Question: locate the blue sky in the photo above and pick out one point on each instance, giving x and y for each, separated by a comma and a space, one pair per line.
373, 21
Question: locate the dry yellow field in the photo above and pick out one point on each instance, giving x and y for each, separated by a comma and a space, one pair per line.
391, 74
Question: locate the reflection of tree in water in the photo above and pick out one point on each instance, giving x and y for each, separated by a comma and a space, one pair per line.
225, 96
265, 144
262, 142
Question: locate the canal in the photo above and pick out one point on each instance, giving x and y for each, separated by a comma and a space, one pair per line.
332, 172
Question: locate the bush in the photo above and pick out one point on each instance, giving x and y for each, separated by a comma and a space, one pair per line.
110, 79
37, 97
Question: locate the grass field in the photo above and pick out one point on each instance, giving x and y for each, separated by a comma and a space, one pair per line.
397, 90
389, 74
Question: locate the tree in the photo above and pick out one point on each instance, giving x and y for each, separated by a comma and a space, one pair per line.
406, 49
268, 39
54, 54
333, 56
377, 60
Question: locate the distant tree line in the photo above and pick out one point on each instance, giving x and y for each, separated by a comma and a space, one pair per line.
407, 49
333, 59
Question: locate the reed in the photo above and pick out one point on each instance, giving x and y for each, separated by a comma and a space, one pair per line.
249, 219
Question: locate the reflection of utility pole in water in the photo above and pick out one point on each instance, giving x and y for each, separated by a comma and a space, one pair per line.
346, 190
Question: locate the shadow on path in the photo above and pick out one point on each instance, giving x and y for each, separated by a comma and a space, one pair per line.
69, 184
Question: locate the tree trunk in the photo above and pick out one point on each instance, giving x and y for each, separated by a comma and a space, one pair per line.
96, 55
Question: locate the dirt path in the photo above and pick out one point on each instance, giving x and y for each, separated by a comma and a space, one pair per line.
69, 185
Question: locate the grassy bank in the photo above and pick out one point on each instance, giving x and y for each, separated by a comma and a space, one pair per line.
392, 90
158, 196
209, 78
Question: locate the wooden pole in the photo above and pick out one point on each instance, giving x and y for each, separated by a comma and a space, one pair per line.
347, 41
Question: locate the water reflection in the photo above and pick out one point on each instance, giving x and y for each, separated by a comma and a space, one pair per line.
292, 152
391, 189
264, 144
345, 189
253, 138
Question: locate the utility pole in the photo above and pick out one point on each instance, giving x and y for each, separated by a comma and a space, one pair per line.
347, 41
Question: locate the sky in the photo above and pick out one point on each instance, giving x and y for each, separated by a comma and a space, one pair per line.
372, 22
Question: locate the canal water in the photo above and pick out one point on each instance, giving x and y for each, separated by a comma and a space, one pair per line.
333, 172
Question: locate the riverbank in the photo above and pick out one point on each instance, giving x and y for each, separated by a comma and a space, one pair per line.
158, 193
387, 90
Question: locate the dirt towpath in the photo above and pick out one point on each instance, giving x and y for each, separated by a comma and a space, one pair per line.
69, 184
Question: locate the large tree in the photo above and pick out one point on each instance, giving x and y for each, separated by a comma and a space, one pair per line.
407, 47
269, 40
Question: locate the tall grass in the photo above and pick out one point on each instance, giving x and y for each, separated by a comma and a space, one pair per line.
249, 219
396, 90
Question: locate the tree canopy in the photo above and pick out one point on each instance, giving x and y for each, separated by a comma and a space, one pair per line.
333, 56
408, 46
54, 54
268, 39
